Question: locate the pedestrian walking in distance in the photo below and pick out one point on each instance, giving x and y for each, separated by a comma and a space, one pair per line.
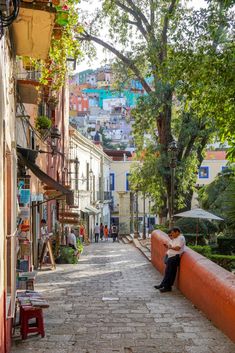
97, 233
106, 233
114, 232
101, 231
81, 233
175, 249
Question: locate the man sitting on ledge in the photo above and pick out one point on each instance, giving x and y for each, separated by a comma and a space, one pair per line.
175, 249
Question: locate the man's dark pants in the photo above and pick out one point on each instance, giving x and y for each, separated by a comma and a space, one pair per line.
170, 272
96, 237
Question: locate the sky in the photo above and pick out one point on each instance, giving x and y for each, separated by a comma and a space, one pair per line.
104, 56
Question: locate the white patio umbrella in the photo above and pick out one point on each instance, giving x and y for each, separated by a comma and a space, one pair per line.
198, 213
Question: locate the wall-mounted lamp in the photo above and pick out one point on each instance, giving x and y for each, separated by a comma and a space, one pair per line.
54, 135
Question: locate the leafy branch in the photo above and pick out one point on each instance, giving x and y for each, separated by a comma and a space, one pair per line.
85, 36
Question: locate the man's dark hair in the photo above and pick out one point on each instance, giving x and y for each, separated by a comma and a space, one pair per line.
176, 229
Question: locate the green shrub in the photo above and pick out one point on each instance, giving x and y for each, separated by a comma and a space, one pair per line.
212, 227
161, 227
226, 245
43, 123
214, 248
192, 239
228, 232
80, 246
203, 250
67, 255
225, 261
191, 225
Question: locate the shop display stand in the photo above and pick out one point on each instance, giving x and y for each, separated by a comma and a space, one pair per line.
47, 249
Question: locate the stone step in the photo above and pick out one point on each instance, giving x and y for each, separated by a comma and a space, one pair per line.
129, 238
143, 249
124, 240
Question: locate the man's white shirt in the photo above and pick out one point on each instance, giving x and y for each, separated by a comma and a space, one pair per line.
97, 230
72, 239
179, 241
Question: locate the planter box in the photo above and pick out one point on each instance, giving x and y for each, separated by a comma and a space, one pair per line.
32, 31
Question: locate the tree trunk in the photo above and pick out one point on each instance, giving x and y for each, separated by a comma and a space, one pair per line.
164, 121
164, 138
163, 213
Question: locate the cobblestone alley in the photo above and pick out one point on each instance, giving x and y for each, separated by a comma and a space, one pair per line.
107, 304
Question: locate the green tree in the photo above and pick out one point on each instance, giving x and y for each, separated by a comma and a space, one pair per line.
229, 205
218, 197
175, 53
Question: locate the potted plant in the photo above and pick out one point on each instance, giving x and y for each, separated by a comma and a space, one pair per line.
62, 15
43, 124
63, 45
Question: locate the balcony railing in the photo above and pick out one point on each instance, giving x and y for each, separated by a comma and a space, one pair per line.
29, 75
28, 83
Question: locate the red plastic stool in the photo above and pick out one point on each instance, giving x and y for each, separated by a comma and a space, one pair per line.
27, 313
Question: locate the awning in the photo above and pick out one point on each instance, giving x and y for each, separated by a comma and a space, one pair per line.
47, 179
90, 210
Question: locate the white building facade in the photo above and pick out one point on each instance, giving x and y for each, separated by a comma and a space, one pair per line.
89, 179
128, 207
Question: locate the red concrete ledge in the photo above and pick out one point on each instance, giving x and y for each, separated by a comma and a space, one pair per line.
208, 286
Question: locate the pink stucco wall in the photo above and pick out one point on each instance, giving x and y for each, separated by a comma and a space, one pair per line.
208, 286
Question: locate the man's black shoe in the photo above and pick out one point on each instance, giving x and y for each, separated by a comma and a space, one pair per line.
159, 286
163, 290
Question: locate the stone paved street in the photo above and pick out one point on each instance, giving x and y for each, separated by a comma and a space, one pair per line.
107, 304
